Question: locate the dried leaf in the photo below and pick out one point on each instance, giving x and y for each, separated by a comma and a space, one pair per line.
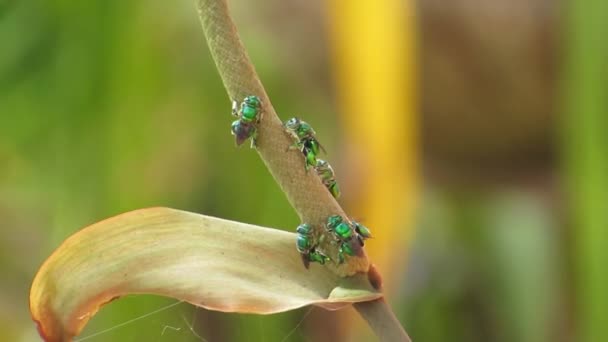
209, 262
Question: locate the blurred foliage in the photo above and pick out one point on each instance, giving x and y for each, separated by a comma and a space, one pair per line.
108, 106
585, 154
111, 106
374, 63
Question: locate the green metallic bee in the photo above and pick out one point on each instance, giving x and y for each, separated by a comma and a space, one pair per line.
306, 140
337, 225
363, 233
310, 148
343, 234
317, 256
326, 172
299, 129
306, 246
249, 114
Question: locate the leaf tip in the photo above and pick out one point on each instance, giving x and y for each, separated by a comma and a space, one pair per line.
49, 332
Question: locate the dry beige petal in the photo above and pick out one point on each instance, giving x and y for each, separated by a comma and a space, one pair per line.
213, 263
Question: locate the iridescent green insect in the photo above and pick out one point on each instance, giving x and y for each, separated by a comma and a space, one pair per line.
339, 227
345, 248
317, 256
362, 231
326, 172
299, 129
343, 234
249, 114
305, 140
303, 243
310, 149
307, 247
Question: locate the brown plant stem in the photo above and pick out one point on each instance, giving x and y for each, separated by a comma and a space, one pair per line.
382, 320
304, 190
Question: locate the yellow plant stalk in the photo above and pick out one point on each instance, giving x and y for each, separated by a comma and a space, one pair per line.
373, 57
373, 60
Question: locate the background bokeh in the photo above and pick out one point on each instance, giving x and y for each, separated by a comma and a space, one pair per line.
467, 135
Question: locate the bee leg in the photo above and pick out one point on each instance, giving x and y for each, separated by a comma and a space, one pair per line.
235, 108
294, 146
254, 137
360, 240
340, 257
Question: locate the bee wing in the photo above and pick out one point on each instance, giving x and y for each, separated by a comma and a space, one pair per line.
305, 260
321, 147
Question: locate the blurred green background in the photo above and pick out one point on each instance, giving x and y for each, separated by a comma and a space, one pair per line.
109, 106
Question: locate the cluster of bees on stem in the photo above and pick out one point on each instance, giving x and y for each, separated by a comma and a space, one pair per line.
348, 236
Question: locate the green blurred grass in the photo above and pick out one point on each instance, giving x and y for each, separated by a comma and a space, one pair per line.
584, 141
109, 106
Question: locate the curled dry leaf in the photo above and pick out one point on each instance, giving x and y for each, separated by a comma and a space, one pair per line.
209, 262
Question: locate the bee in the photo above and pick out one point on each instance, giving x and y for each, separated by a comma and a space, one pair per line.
249, 114
306, 246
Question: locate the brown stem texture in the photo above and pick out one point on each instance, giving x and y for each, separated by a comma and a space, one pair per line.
304, 190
